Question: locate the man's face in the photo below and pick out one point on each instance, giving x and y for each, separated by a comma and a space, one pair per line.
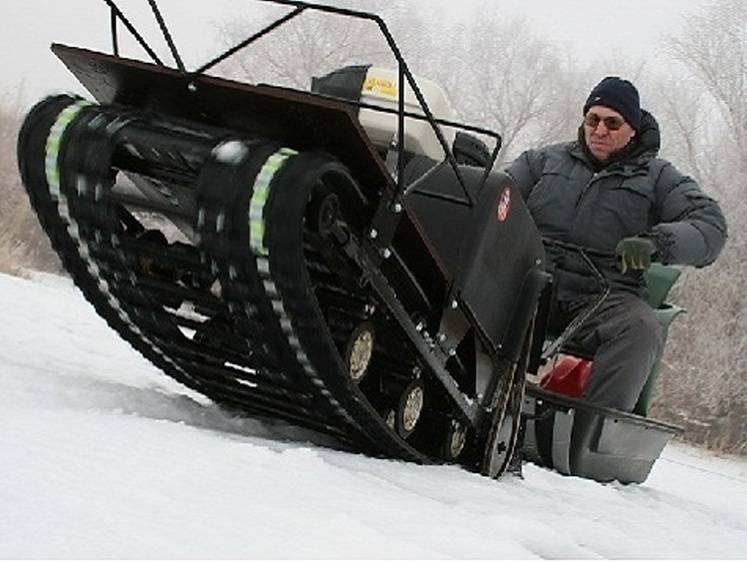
606, 132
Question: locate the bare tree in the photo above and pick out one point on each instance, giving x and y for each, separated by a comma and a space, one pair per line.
704, 382
506, 79
22, 242
713, 48
311, 44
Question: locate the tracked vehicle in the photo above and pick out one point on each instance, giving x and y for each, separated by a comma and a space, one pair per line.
342, 258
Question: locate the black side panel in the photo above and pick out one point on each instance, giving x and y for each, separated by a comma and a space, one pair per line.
503, 252
434, 204
492, 251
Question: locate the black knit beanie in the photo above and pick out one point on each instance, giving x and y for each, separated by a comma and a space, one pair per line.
617, 94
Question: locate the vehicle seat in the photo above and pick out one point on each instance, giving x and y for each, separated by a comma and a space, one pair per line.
659, 280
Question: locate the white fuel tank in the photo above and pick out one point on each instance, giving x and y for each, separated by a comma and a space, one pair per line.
381, 88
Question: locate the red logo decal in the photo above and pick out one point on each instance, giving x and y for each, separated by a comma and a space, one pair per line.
504, 205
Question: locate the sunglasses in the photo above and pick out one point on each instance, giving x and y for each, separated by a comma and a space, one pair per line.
612, 123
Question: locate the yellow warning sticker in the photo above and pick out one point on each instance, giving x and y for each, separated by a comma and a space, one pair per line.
380, 86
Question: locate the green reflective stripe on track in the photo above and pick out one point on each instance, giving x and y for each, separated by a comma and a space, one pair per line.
54, 143
260, 193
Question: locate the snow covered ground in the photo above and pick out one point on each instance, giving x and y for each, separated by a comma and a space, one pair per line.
101, 456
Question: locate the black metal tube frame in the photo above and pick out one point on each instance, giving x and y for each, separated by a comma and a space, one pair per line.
299, 7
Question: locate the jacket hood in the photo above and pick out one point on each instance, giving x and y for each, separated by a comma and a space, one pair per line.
647, 139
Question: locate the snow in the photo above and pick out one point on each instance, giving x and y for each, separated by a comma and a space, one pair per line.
231, 152
103, 456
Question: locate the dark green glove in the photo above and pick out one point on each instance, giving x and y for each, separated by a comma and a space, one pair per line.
634, 253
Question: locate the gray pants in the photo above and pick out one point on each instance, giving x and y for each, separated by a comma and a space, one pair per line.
625, 339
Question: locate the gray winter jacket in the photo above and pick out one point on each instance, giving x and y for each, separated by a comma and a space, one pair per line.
573, 199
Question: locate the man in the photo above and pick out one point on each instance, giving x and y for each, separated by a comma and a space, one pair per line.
610, 193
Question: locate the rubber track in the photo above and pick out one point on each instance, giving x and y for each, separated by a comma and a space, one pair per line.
276, 357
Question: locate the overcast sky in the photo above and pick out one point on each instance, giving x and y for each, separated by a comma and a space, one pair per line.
588, 30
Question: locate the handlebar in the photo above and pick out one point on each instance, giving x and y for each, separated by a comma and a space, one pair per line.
574, 248
586, 254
